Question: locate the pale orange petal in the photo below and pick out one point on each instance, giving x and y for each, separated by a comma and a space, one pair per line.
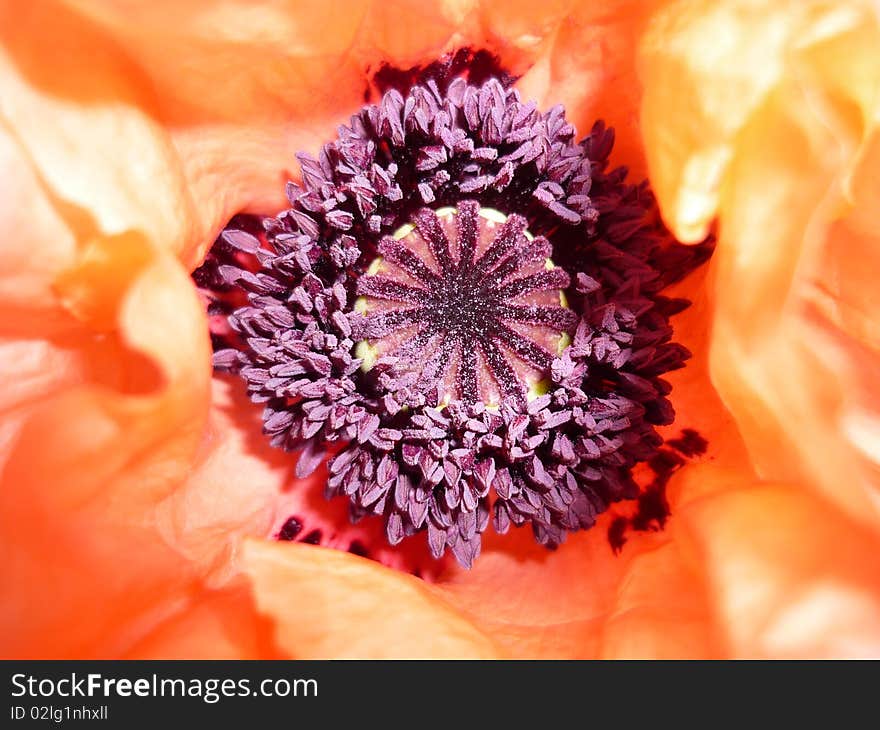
242, 87
106, 408
766, 115
326, 603
232, 489
662, 610
788, 575
263, 81
88, 130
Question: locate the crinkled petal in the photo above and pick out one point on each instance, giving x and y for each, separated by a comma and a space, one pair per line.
106, 404
115, 502
84, 470
788, 575
231, 491
88, 131
261, 83
766, 116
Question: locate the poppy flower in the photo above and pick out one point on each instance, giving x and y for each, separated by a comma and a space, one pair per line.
146, 514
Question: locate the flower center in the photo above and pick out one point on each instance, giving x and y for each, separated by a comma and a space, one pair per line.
466, 300
442, 376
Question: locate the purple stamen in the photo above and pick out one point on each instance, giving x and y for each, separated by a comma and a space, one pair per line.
439, 359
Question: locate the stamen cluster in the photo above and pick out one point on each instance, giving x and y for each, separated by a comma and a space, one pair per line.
425, 450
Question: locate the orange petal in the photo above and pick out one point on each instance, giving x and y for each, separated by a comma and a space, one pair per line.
88, 130
127, 357
231, 491
789, 576
583, 601
263, 82
775, 131
326, 603
662, 610
211, 625
584, 58
519, 600
108, 397
243, 87
86, 467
